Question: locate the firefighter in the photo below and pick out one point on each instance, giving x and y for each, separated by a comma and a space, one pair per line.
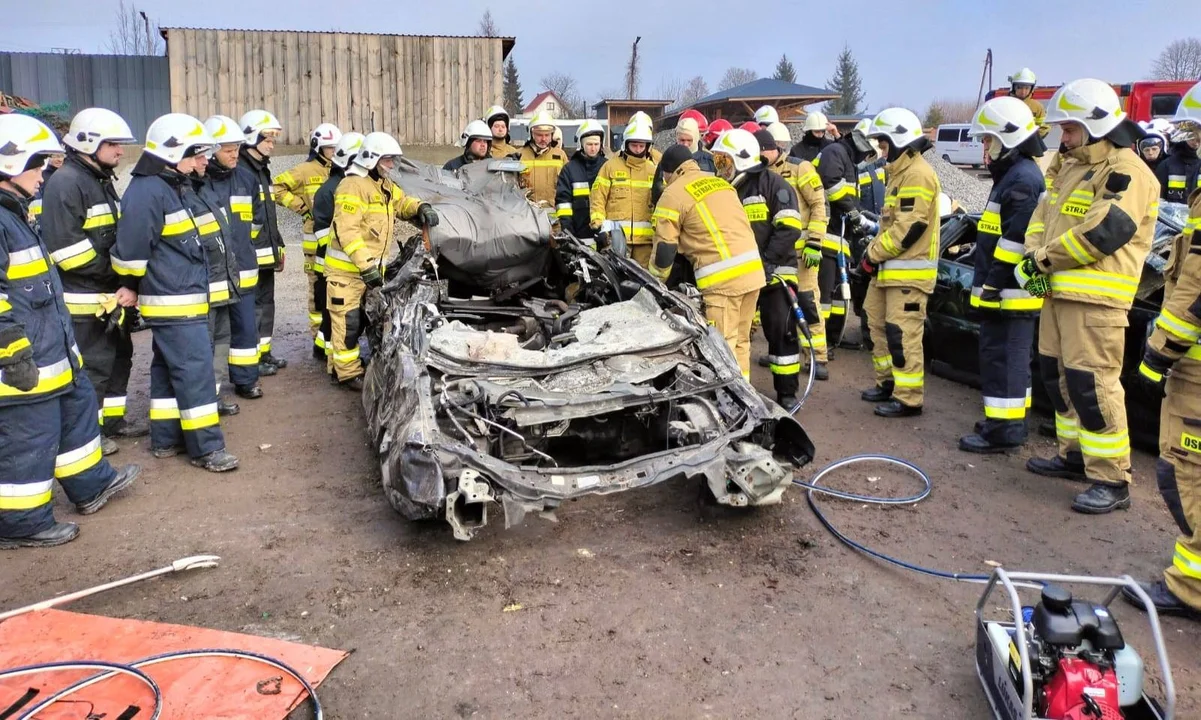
261, 129
234, 193
621, 194
1007, 312
1174, 352
803, 178
575, 182
162, 268
701, 218
1153, 148
641, 117
1087, 243
702, 126
902, 261
366, 206
766, 115
80, 209
1177, 173
813, 138
323, 221
1021, 86
48, 410
688, 133
770, 205
497, 120
542, 162
477, 145
52, 164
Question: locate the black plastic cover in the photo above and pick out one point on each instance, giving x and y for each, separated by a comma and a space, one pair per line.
1063, 622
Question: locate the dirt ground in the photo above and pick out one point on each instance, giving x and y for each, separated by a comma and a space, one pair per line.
633, 606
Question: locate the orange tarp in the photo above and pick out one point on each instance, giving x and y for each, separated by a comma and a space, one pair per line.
199, 688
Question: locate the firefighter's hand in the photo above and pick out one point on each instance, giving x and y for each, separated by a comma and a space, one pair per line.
812, 257
371, 277
867, 268
22, 375
427, 216
1153, 372
126, 297
1031, 278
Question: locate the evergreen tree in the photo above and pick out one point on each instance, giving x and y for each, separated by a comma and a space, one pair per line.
847, 83
784, 70
513, 100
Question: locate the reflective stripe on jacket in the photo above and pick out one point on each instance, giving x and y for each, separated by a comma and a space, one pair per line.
622, 194
770, 205
323, 216
906, 249
212, 224
1000, 235
264, 228
803, 178
235, 192
295, 189
573, 190
541, 172
365, 214
1177, 333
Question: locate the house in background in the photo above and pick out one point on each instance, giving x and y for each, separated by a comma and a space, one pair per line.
616, 113
738, 104
546, 101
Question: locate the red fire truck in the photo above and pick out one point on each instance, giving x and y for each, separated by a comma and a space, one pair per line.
1142, 100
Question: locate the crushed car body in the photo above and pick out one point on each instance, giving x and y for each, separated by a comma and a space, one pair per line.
515, 368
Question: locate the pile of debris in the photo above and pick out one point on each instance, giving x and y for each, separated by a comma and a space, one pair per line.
57, 115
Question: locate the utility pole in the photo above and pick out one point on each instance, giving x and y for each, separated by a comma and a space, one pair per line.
632, 71
986, 74
149, 38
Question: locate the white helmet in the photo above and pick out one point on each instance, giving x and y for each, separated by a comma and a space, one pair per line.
542, 119
637, 132
815, 121
176, 136
347, 147
864, 126
23, 138
255, 123
1005, 118
93, 126
900, 126
494, 112
741, 146
587, 128
767, 115
1025, 76
779, 133
1092, 103
641, 116
375, 146
324, 135
1188, 112
475, 130
224, 130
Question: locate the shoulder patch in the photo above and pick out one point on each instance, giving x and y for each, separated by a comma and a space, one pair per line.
1117, 182
783, 196
1089, 175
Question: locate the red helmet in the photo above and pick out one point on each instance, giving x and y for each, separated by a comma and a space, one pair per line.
716, 128
750, 126
701, 122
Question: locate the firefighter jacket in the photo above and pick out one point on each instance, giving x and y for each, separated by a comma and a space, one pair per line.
33, 315
1177, 173
323, 216
365, 214
541, 172
295, 188
35, 205
459, 161
158, 253
701, 217
812, 206
622, 194
213, 225
840, 178
809, 147
264, 228
770, 205
872, 181
235, 192
80, 209
906, 250
1177, 333
1040, 114
502, 148
1001, 235
1093, 233
704, 160
573, 191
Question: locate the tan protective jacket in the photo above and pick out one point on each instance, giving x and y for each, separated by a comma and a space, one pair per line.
1177, 332
502, 149
541, 173
701, 217
295, 190
1040, 114
365, 214
906, 249
1091, 233
622, 193
803, 177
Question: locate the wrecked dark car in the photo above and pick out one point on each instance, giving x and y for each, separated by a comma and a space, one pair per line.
515, 368
952, 331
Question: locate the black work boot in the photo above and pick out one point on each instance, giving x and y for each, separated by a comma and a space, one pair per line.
1102, 498
217, 461
880, 393
266, 369
788, 402
59, 533
270, 359
250, 392
976, 443
226, 408
897, 409
354, 384
1164, 600
122, 428
125, 477
166, 452
1046, 428
822, 372
1058, 467
318, 353
763, 361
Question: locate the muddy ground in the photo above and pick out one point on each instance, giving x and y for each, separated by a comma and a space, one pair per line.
633, 606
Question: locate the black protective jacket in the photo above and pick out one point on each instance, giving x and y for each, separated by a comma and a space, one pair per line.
457, 162
1177, 173
264, 228
323, 215
235, 193
572, 192
771, 206
212, 222
1001, 236
809, 147
840, 178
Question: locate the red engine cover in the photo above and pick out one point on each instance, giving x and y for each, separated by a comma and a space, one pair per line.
1065, 693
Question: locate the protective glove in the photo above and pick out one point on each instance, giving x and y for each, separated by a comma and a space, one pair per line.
22, 375
1153, 372
427, 216
113, 315
811, 256
867, 268
371, 277
604, 234
1031, 278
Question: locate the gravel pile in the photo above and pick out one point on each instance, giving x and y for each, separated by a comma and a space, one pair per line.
969, 190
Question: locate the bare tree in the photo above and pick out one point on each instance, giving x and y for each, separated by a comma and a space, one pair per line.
568, 90
736, 76
488, 25
135, 34
697, 89
1179, 61
633, 71
949, 111
670, 88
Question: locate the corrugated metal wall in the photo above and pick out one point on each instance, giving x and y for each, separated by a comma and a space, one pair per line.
137, 87
422, 90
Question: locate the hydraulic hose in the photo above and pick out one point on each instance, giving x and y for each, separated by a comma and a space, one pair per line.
803, 324
110, 669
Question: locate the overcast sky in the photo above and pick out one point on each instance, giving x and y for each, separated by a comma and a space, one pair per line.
908, 52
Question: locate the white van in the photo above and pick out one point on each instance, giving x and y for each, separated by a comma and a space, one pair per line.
953, 144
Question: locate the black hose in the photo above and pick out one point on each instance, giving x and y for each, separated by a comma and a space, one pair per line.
110, 668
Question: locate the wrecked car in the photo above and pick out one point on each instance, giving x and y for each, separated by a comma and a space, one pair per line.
514, 368
952, 331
